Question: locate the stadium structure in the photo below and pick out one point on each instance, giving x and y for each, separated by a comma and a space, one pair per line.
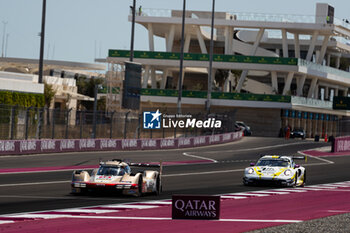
272, 70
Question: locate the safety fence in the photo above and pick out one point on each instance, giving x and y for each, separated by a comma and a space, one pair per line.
21, 123
11, 147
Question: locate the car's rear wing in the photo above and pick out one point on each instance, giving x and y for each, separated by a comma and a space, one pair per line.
294, 157
299, 157
155, 165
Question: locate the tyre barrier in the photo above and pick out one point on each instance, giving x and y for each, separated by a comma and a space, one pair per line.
40, 146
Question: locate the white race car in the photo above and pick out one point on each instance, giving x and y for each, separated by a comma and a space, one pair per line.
115, 175
275, 170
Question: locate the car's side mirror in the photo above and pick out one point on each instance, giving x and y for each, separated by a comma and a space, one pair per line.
252, 164
296, 166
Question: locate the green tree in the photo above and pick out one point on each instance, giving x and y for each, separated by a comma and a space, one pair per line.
49, 94
86, 86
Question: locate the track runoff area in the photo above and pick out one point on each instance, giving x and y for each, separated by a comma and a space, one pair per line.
38, 199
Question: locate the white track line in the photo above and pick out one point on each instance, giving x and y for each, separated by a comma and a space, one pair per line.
167, 219
44, 216
248, 194
321, 187
36, 183
258, 148
131, 206
315, 157
159, 202
5, 222
199, 157
270, 192
88, 211
232, 197
296, 190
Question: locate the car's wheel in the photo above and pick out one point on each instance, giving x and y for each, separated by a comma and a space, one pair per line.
304, 182
140, 184
158, 186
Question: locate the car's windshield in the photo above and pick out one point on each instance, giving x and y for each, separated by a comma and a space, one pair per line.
272, 162
111, 171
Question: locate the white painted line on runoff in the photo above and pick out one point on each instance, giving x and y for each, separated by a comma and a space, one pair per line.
338, 190
259, 220
4, 222
321, 187
233, 197
83, 210
159, 202
258, 148
36, 183
131, 206
44, 216
313, 189
270, 192
296, 190
249, 194
167, 219
199, 157
315, 157
339, 211
62, 198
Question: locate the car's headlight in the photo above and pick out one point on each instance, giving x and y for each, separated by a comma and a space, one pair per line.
288, 172
250, 171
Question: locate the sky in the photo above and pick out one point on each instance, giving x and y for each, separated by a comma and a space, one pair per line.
81, 30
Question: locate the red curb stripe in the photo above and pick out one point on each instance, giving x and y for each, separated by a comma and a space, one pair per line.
317, 153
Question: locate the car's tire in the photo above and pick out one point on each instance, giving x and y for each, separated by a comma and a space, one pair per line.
304, 182
158, 185
140, 183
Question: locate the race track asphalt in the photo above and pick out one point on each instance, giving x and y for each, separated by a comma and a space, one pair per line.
38, 191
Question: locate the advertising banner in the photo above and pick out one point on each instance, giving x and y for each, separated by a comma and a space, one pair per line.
195, 207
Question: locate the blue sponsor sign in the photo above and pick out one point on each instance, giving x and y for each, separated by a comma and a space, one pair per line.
322, 117
316, 116
299, 115
151, 120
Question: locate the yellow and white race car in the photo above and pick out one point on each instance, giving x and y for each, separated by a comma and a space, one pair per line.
115, 175
275, 170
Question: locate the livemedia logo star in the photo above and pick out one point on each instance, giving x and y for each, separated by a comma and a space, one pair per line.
151, 120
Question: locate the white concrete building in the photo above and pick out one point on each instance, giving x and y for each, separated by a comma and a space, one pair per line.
289, 55
20, 75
